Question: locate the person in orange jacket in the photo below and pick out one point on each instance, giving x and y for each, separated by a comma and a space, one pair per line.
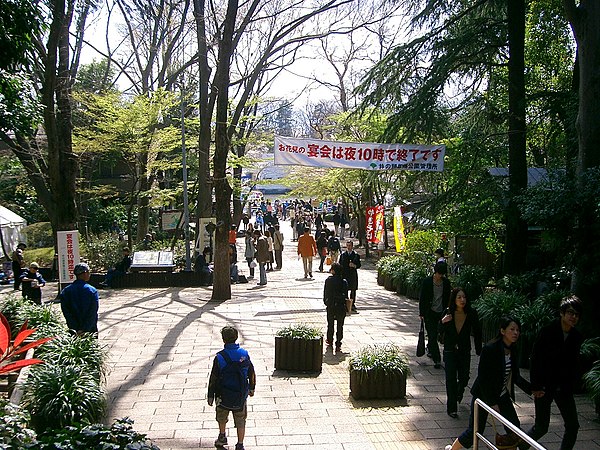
307, 249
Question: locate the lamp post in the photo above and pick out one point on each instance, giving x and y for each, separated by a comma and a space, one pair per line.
186, 209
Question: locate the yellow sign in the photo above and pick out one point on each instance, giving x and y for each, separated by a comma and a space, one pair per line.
399, 236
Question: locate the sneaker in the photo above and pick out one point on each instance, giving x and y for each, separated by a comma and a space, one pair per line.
448, 447
221, 440
453, 414
328, 343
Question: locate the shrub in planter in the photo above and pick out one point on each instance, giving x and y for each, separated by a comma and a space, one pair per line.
58, 396
533, 318
401, 275
385, 268
492, 305
378, 371
47, 321
414, 280
299, 347
591, 381
472, 279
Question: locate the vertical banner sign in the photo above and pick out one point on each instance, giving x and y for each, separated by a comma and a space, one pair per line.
68, 254
375, 223
399, 236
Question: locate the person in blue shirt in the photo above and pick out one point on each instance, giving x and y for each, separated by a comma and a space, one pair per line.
32, 282
79, 302
234, 353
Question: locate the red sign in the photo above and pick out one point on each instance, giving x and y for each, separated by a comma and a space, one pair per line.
375, 224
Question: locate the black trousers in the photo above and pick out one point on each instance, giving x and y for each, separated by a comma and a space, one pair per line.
457, 364
432, 320
568, 411
336, 314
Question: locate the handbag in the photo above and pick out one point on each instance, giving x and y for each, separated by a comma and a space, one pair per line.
253, 264
349, 305
328, 260
421, 343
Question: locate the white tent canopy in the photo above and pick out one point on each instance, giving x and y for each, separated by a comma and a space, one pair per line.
12, 226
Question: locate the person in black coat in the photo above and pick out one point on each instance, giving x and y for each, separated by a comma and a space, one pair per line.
334, 297
458, 323
435, 294
497, 374
350, 262
553, 372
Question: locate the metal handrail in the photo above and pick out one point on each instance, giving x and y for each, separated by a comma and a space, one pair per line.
478, 436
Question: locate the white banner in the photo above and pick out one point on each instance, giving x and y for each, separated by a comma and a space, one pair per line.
358, 155
68, 254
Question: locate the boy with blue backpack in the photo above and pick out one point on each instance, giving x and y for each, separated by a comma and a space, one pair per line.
232, 379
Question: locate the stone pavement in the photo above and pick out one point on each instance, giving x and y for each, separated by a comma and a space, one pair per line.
162, 342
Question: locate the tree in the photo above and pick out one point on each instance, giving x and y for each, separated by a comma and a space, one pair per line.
584, 18
49, 161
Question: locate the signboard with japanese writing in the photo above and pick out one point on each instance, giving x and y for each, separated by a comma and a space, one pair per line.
375, 224
358, 155
68, 254
399, 236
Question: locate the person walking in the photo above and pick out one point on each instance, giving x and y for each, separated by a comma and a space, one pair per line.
269, 238
435, 294
334, 247
336, 222
458, 324
278, 247
322, 248
32, 283
334, 297
250, 251
262, 256
79, 302
232, 380
497, 374
350, 262
18, 265
307, 249
553, 373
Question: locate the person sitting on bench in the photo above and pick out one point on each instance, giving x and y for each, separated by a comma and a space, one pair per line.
119, 270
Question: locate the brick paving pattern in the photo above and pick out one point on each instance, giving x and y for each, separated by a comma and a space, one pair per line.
162, 342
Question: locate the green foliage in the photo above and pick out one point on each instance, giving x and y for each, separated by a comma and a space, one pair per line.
119, 436
47, 321
102, 251
14, 431
497, 303
591, 380
388, 265
415, 277
59, 396
44, 256
102, 214
300, 331
553, 298
420, 245
380, 357
533, 317
590, 349
78, 351
524, 283
39, 234
472, 279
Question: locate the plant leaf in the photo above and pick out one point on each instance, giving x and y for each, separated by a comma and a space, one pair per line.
19, 365
4, 334
23, 334
33, 345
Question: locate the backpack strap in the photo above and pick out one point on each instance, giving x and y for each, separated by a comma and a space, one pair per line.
225, 356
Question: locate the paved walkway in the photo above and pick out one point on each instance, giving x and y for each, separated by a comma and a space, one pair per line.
162, 342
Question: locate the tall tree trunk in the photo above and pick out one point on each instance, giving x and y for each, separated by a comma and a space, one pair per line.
221, 279
585, 22
516, 228
204, 200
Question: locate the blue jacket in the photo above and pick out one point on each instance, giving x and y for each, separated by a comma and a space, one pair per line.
79, 303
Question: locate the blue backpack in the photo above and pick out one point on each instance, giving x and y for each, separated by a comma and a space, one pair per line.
233, 383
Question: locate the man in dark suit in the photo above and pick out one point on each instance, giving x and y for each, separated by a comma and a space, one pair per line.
350, 261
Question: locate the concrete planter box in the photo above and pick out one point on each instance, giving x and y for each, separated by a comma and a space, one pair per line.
304, 355
377, 384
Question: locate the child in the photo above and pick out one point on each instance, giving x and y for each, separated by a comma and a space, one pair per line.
32, 282
232, 379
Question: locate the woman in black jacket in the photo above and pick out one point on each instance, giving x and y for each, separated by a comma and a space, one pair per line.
459, 322
497, 374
